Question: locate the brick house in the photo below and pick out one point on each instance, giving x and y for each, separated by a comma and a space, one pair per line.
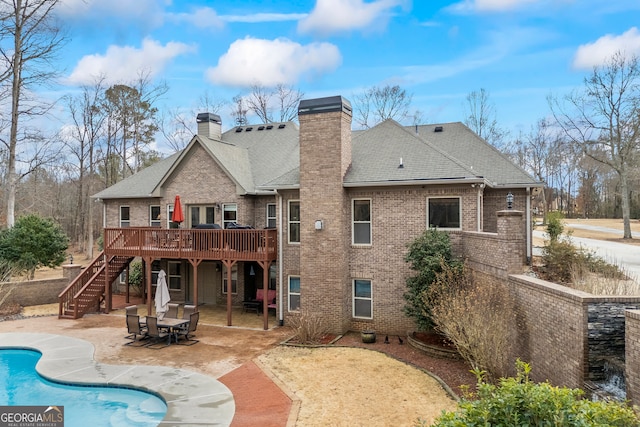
338, 207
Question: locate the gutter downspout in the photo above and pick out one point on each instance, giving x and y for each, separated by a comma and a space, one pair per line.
280, 263
479, 209
529, 225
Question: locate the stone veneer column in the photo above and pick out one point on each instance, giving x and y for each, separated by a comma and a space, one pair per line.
325, 155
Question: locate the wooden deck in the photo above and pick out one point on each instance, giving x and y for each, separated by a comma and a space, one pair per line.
201, 244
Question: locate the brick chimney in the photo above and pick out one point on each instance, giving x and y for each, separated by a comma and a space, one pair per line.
209, 125
325, 156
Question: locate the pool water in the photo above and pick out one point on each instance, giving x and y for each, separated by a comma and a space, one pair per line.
97, 406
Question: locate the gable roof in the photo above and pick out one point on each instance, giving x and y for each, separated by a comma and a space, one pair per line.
263, 158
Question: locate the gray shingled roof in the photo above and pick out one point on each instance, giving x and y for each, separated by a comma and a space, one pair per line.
377, 153
268, 158
141, 184
466, 146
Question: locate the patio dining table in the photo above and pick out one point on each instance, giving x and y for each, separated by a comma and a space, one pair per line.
172, 324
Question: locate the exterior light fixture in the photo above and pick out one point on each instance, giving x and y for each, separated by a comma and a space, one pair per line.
318, 224
70, 258
509, 200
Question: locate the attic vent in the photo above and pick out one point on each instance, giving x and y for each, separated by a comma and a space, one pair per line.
260, 127
249, 129
438, 129
281, 126
269, 127
238, 129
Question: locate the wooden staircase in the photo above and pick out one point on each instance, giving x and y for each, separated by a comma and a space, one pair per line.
84, 294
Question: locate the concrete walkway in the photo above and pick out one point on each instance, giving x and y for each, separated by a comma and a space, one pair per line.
192, 399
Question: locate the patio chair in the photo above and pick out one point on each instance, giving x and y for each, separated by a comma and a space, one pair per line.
156, 335
256, 304
172, 311
137, 332
133, 310
187, 332
188, 309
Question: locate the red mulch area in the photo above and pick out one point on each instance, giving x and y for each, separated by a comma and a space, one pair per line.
259, 402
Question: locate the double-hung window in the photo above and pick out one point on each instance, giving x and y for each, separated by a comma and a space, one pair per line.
229, 214
175, 275
271, 215
154, 216
362, 299
294, 293
125, 216
294, 221
234, 279
361, 222
444, 212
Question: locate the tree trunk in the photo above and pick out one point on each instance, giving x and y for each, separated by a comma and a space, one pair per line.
626, 204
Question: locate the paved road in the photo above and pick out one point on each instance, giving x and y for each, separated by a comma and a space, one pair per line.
596, 228
618, 253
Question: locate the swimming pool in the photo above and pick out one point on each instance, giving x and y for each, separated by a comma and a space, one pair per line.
83, 406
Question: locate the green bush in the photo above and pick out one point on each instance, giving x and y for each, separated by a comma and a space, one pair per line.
136, 277
33, 242
555, 226
520, 402
426, 254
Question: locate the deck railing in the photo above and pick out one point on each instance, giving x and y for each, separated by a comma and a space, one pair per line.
214, 244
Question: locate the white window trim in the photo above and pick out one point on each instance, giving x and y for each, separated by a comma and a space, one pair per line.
459, 211
169, 214
289, 293
289, 222
151, 220
234, 273
353, 298
224, 221
275, 217
353, 223
120, 215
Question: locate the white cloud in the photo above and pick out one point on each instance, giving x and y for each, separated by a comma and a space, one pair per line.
270, 62
599, 52
125, 63
336, 16
468, 6
203, 17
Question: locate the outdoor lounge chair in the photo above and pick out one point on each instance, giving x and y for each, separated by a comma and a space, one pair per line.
156, 335
172, 311
137, 332
187, 333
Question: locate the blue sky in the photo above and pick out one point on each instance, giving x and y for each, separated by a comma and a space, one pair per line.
520, 51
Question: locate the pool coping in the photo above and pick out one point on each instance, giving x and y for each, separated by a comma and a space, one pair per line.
192, 399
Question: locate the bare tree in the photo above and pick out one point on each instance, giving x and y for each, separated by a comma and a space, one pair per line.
378, 104
288, 99
82, 142
264, 101
258, 102
603, 120
480, 117
29, 41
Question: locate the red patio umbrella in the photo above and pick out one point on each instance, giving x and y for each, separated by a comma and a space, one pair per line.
178, 216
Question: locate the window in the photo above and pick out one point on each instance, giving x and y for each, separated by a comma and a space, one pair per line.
234, 279
294, 293
362, 299
154, 216
170, 222
123, 278
271, 215
361, 222
443, 212
155, 270
294, 221
272, 276
125, 218
229, 214
174, 275
201, 215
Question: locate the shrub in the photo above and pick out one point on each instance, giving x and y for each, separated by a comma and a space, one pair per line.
427, 254
476, 316
555, 226
518, 401
308, 329
136, 277
33, 242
